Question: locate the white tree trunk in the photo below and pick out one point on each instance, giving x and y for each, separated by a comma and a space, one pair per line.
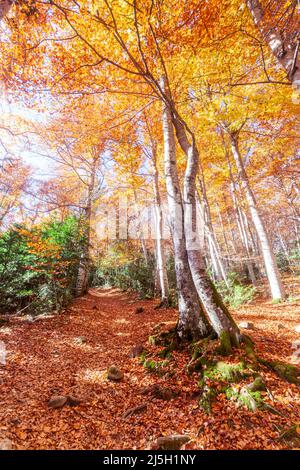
192, 321
272, 272
284, 47
160, 249
84, 264
218, 314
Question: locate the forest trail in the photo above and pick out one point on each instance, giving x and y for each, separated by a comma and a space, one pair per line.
69, 355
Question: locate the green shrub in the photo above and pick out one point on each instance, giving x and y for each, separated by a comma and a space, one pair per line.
38, 266
236, 293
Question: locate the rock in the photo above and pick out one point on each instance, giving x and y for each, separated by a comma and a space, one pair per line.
297, 328
137, 350
139, 310
280, 326
15, 421
174, 442
247, 325
247, 399
29, 319
57, 401
6, 444
80, 340
258, 385
159, 392
115, 374
73, 401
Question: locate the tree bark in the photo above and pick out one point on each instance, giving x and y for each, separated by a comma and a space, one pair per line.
210, 233
283, 44
272, 272
214, 307
84, 264
212, 303
160, 249
192, 321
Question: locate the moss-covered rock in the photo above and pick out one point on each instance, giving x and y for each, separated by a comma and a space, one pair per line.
245, 397
258, 385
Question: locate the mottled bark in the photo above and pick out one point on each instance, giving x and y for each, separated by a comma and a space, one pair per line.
160, 248
210, 233
192, 321
84, 264
282, 37
214, 307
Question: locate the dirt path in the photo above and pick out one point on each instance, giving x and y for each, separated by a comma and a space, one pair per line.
46, 357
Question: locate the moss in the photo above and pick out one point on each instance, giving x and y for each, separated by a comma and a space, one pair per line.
258, 385
252, 400
153, 340
245, 397
225, 348
288, 372
166, 353
156, 367
207, 398
143, 356
226, 372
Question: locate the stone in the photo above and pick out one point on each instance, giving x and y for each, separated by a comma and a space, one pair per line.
173, 442
80, 340
6, 444
115, 374
136, 351
247, 325
258, 385
139, 310
297, 328
57, 401
159, 392
73, 401
15, 421
280, 326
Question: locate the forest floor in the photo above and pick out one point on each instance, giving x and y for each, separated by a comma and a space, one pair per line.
69, 355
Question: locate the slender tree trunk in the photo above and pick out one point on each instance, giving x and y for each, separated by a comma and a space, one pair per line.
192, 321
160, 249
209, 229
139, 229
285, 47
84, 264
272, 272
